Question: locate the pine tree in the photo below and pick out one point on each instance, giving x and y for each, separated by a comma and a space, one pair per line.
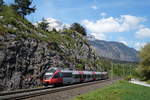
1, 2
23, 7
43, 25
77, 27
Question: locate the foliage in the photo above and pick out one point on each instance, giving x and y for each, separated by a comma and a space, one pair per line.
121, 90
1, 2
118, 69
105, 64
1, 5
144, 66
123, 70
148, 81
43, 25
128, 78
79, 66
77, 27
23, 7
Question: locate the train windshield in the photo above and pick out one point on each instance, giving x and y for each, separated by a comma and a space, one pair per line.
51, 70
47, 76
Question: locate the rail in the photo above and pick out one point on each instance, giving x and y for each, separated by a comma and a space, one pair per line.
28, 93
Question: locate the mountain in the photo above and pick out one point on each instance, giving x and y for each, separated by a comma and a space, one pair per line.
26, 52
114, 50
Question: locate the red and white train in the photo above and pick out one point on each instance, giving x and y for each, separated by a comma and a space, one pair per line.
56, 76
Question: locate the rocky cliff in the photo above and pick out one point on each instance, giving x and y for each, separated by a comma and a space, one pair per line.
27, 52
114, 50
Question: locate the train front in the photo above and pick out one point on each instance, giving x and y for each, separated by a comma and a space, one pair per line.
47, 78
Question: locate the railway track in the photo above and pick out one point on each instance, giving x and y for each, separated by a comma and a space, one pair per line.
28, 93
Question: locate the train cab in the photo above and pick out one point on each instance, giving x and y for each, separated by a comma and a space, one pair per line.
52, 76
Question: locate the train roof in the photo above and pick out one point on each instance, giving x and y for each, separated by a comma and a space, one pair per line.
87, 72
75, 71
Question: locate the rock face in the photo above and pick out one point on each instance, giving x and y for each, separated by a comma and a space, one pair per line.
26, 52
23, 62
114, 50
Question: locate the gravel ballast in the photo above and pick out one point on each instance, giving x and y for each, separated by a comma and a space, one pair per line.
72, 93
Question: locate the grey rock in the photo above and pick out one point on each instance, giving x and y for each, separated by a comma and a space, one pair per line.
115, 50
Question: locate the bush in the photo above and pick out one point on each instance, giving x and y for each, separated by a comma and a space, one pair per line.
80, 66
78, 28
148, 81
128, 78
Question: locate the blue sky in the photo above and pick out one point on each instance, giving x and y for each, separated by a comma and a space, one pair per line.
126, 21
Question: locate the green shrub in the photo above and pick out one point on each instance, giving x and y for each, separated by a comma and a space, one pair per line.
80, 66
148, 81
128, 78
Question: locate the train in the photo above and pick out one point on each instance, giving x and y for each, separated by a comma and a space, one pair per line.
57, 76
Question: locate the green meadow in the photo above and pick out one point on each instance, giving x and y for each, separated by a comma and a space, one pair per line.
121, 90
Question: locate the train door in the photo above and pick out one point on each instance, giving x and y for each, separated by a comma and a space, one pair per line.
67, 78
57, 79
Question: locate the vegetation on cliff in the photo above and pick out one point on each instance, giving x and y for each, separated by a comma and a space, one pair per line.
26, 52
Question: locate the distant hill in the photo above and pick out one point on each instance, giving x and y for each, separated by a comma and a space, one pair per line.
114, 50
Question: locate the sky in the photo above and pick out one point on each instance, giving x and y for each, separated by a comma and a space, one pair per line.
126, 21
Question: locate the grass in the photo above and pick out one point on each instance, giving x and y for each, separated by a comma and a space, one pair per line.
121, 90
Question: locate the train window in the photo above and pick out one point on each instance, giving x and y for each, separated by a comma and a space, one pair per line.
67, 74
81, 76
89, 76
47, 76
96, 76
51, 70
93, 76
77, 76
84, 76
56, 75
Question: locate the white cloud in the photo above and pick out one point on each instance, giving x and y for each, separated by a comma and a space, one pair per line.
101, 27
139, 45
103, 14
143, 33
99, 36
53, 23
94, 7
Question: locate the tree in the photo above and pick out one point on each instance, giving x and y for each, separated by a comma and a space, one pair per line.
77, 27
23, 7
43, 25
54, 30
1, 3
144, 66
